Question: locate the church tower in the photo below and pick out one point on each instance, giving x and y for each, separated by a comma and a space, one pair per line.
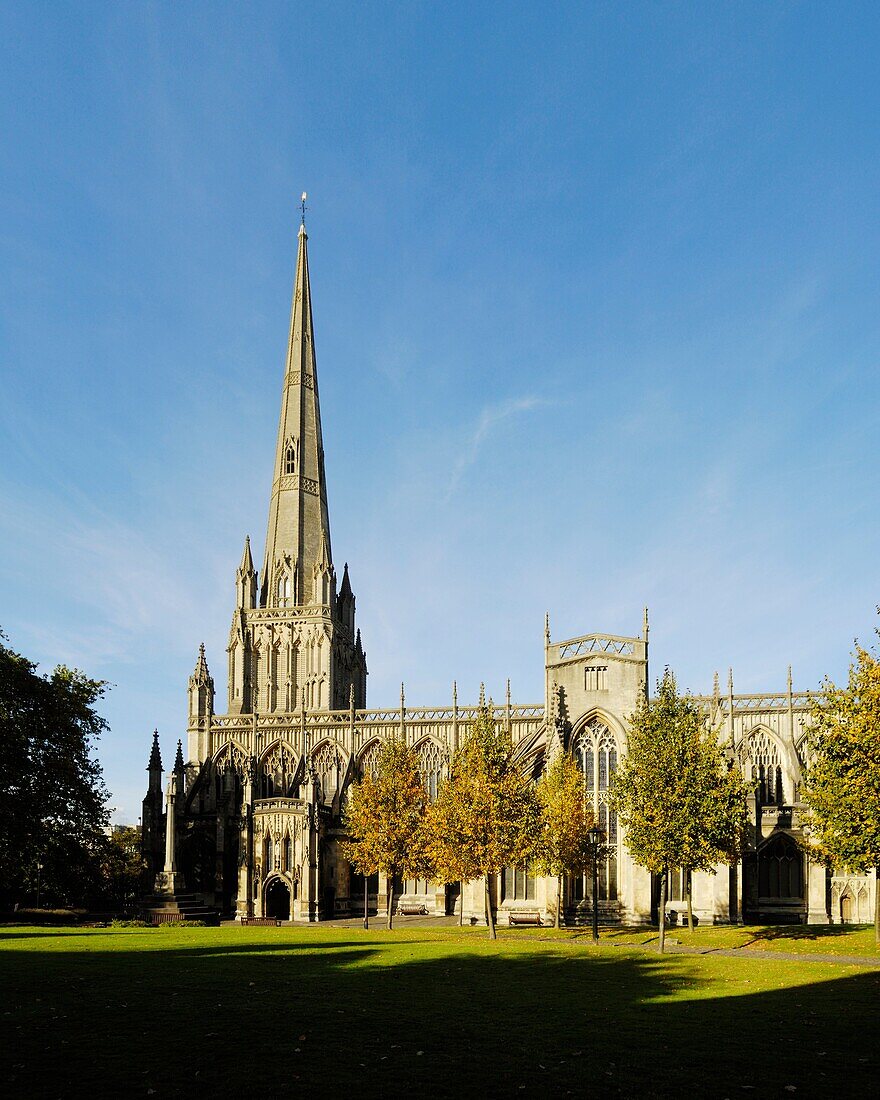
293, 642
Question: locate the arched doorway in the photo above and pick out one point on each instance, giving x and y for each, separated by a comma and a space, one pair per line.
278, 900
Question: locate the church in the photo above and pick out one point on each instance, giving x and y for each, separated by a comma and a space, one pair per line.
251, 820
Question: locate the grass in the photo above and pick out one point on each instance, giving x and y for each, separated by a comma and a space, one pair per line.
434, 1012
791, 939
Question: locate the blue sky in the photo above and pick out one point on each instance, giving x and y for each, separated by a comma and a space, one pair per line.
595, 293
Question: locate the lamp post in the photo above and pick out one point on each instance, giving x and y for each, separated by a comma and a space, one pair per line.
366, 902
39, 871
595, 838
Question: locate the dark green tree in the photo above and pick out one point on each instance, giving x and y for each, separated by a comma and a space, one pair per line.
121, 868
53, 802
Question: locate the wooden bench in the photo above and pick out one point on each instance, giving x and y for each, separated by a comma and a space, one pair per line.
411, 909
524, 916
267, 921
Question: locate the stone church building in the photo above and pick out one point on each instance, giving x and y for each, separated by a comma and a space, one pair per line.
252, 818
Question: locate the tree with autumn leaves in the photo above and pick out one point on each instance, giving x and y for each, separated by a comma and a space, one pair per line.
564, 844
679, 801
842, 785
385, 820
487, 814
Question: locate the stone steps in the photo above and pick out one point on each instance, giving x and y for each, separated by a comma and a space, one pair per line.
160, 910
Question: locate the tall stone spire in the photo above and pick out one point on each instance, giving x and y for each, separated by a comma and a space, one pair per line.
298, 535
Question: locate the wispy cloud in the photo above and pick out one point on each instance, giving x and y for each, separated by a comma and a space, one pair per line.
111, 591
490, 418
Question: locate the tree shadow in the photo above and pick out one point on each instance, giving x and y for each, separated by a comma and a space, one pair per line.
381, 1016
812, 932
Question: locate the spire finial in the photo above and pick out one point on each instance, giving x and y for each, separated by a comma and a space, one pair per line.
646, 624
482, 696
789, 679
302, 202
547, 627
155, 763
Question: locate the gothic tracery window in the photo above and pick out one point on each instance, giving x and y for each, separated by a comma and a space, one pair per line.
290, 457
765, 768
369, 761
327, 762
277, 777
595, 750
431, 762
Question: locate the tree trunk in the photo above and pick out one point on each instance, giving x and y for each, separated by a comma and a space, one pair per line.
389, 899
490, 919
663, 912
690, 901
558, 898
877, 906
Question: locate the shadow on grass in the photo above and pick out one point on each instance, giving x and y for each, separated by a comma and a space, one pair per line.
813, 932
384, 1017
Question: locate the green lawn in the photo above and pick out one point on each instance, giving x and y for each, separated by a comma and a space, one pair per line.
270, 1012
794, 938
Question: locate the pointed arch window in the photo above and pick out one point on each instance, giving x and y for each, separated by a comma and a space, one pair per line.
595, 750
290, 457
765, 768
284, 591
327, 763
277, 774
369, 762
431, 762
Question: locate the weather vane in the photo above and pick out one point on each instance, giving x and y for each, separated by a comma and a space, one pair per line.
302, 200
